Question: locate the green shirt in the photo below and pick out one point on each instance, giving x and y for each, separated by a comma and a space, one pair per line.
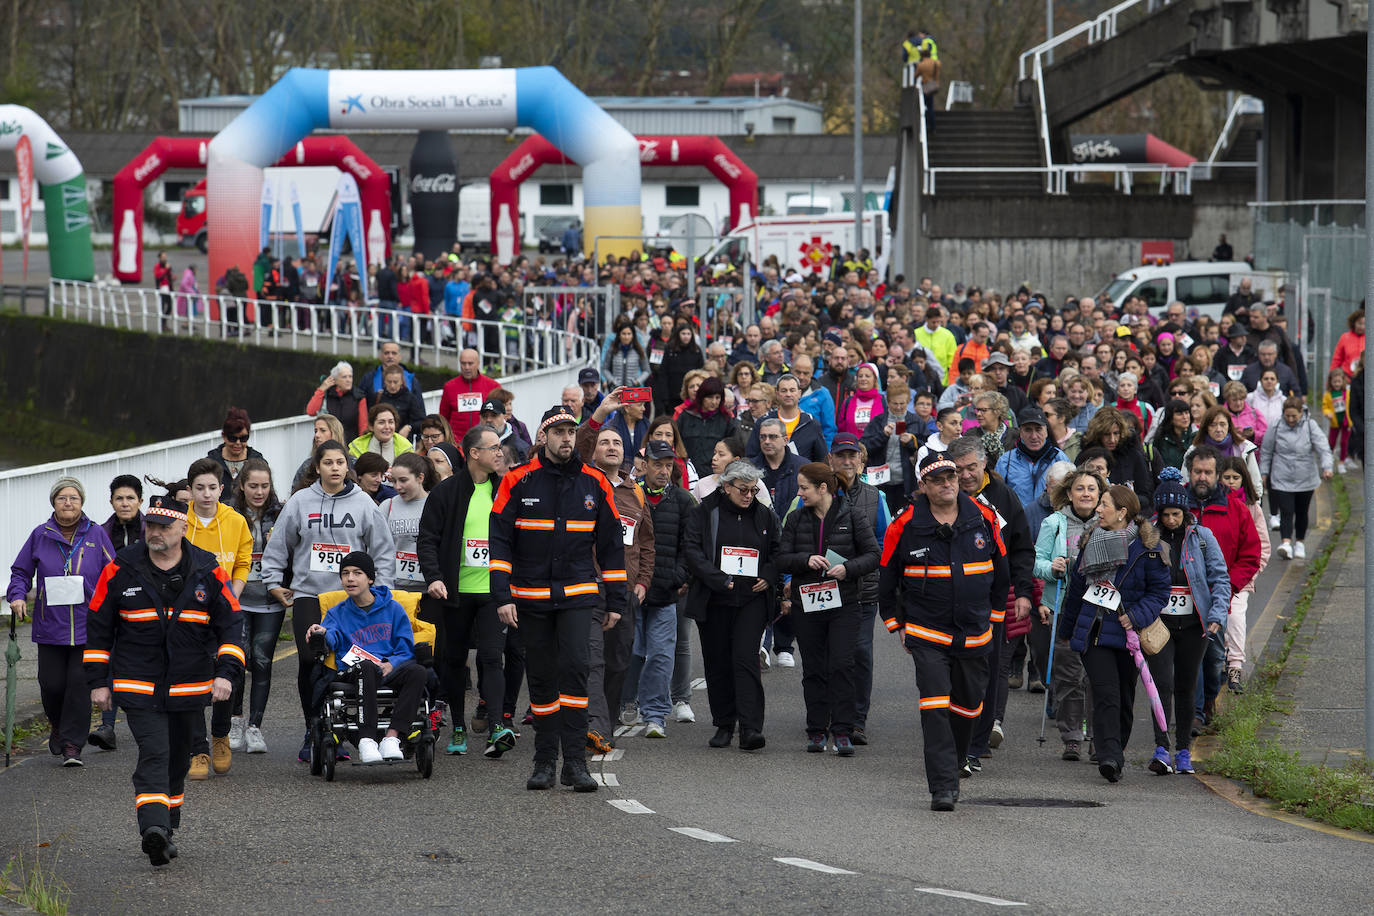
476, 579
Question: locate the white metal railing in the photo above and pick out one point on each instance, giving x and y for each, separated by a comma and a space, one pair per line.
509, 347
1100, 28
1244, 105
960, 92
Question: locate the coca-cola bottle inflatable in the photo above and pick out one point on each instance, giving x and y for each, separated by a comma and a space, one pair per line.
434, 193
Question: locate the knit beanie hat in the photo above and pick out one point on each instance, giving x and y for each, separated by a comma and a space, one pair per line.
360, 559
60, 483
1171, 493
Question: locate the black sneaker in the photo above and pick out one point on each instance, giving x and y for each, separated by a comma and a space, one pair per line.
71, 756
751, 741
722, 737
575, 774
975, 764
157, 845
1110, 770
480, 722
965, 770
103, 738
859, 737
942, 801
542, 777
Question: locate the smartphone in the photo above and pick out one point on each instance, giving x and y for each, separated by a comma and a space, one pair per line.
636, 396
901, 427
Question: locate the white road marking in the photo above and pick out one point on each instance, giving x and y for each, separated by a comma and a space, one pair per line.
697, 833
699, 684
629, 806
813, 866
607, 758
606, 779
965, 895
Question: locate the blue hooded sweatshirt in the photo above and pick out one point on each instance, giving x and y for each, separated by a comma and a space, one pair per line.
382, 628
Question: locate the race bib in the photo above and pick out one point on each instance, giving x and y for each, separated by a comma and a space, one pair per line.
476, 552
255, 568
1180, 601
64, 590
407, 565
739, 561
1186, 341
862, 414
469, 403
1216, 389
357, 654
879, 475
1235, 371
1338, 403
1103, 595
821, 596
627, 530
655, 357
327, 557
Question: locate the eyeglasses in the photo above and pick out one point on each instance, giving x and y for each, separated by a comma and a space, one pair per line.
67, 499
769, 436
742, 491
984, 410
242, 438
485, 448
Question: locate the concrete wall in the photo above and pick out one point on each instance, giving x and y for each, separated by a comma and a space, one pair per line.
1237, 221
1056, 267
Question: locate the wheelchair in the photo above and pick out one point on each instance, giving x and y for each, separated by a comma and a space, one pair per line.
339, 695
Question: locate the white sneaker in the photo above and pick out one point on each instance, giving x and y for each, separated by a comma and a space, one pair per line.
765, 658
236, 733
655, 730
995, 739
629, 714
252, 740
683, 712
1285, 550
1299, 551
785, 660
368, 752
1340, 467
1273, 523
391, 748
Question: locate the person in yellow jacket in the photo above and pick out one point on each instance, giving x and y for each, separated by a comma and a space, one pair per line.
215, 527
381, 434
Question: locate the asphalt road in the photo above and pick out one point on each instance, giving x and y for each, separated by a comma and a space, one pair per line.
711, 830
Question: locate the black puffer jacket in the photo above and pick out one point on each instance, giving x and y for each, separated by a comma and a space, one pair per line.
670, 556
846, 531
700, 435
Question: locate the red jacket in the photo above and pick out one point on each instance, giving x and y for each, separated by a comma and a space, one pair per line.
449, 404
1234, 528
414, 294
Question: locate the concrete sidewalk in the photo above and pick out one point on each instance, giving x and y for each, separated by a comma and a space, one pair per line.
1322, 685
27, 706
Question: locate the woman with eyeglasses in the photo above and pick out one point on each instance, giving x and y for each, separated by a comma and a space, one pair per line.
233, 451
731, 544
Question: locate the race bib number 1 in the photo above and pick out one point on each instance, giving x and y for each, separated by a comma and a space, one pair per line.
1104, 596
739, 561
821, 596
475, 552
327, 557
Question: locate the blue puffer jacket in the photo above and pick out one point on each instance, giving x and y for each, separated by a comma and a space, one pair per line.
820, 405
1026, 477
1208, 579
1143, 581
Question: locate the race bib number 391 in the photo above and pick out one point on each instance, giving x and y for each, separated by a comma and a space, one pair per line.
1103, 595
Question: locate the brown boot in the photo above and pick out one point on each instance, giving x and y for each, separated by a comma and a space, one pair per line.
200, 767
222, 755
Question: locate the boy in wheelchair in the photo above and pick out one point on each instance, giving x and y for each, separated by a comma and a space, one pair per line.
371, 638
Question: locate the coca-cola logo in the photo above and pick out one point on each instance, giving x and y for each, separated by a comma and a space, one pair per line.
149, 166
725, 165
518, 171
446, 183
648, 150
356, 167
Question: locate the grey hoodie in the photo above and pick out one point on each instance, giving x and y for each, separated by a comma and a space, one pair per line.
348, 521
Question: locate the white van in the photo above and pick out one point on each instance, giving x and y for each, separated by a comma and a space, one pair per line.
1202, 286
807, 205
474, 216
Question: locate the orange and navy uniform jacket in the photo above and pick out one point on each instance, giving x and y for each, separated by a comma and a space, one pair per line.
160, 657
552, 526
941, 585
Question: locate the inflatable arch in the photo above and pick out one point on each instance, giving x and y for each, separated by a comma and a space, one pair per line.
710, 152
304, 100
191, 153
63, 186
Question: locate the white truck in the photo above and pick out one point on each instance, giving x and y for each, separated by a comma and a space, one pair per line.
1202, 286
804, 243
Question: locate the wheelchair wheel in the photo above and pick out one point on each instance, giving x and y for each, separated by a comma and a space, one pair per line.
330, 760
424, 757
316, 753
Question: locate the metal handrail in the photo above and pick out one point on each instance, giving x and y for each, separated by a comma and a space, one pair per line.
1099, 28
1243, 105
921, 119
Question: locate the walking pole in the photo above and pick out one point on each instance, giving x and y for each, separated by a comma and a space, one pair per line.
1054, 633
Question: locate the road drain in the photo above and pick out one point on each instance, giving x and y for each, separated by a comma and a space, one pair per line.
1034, 802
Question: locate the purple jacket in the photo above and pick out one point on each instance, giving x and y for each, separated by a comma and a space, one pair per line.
45, 554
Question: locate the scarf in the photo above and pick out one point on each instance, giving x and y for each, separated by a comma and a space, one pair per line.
1104, 551
1221, 445
1034, 456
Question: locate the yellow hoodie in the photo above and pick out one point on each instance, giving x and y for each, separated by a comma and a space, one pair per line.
228, 537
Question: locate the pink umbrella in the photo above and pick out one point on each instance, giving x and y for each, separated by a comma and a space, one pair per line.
1133, 643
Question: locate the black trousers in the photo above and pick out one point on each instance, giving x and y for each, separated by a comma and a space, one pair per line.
556, 659
305, 613
1294, 507
66, 699
164, 756
1174, 669
828, 640
730, 654
982, 727
1112, 674
470, 621
408, 680
951, 688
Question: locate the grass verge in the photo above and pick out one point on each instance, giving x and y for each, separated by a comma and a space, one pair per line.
35, 886
1342, 797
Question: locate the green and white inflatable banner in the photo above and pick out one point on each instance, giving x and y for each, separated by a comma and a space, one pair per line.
63, 186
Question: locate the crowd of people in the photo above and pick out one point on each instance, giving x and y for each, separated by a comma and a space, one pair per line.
1028, 494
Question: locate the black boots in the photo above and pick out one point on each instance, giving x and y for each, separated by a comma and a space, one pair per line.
542, 777
158, 845
575, 774
722, 737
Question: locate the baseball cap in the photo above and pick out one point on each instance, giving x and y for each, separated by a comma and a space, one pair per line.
845, 442
793, 277
556, 415
491, 405
657, 449
937, 463
163, 510
588, 375
997, 359
1032, 416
